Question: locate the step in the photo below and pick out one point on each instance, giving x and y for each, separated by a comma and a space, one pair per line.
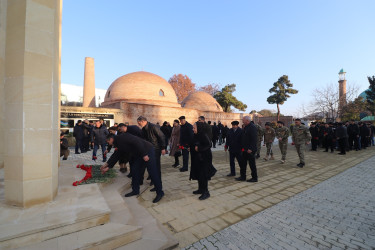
108, 236
74, 209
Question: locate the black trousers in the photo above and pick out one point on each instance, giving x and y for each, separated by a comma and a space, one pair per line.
249, 158
157, 154
203, 183
342, 145
314, 143
328, 143
85, 143
185, 159
232, 156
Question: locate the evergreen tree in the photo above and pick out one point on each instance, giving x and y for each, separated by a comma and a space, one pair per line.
226, 99
282, 90
371, 95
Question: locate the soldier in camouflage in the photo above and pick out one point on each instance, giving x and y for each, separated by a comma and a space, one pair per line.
282, 134
300, 136
269, 137
260, 133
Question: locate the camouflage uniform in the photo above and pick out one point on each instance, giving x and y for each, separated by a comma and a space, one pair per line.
283, 134
301, 135
260, 133
269, 137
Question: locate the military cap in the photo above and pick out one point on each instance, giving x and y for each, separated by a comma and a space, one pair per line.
182, 117
121, 125
235, 123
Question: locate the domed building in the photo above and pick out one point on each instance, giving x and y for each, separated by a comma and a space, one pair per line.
143, 88
202, 101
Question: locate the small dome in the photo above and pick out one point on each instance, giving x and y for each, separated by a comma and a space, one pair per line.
143, 88
201, 101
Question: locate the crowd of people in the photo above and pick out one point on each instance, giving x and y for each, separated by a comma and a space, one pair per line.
143, 145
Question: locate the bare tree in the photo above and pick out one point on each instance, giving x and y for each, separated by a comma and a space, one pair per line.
211, 88
326, 100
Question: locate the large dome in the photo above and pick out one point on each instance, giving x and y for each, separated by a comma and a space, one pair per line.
143, 88
201, 101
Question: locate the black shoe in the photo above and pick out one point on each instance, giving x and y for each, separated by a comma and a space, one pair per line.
325, 151
64, 159
252, 180
149, 178
88, 150
332, 151
301, 165
204, 196
132, 193
257, 157
175, 165
183, 170
158, 198
104, 160
198, 191
151, 183
123, 170
140, 183
229, 175
240, 179
153, 190
129, 175
341, 153
77, 153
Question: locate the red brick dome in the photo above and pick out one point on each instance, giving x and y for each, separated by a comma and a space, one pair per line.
201, 101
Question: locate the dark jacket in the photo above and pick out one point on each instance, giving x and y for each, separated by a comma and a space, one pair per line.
78, 132
153, 134
353, 130
186, 134
86, 129
341, 132
249, 138
314, 131
134, 130
328, 133
167, 130
215, 132
364, 131
207, 130
128, 144
234, 140
201, 161
99, 135
64, 145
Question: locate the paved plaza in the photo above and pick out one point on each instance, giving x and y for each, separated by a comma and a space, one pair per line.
338, 213
191, 220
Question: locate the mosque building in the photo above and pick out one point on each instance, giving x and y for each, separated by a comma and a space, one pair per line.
141, 93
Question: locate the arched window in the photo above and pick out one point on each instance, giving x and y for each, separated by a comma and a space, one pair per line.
161, 92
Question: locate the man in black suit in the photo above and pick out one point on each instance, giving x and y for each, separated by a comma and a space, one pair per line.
233, 143
249, 147
142, 152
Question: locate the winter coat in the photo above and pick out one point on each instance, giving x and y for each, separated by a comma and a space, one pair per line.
175, 139
234, 140
99, 135
201, 161
153, 134
78, 132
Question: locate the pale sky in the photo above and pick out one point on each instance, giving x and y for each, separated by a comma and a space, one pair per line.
250, 43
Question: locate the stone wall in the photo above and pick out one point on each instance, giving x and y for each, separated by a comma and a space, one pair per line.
3, 15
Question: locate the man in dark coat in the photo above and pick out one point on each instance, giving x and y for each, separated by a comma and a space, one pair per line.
233, 143
64, 146
86, 136
342, 136
153, 134
99, 135
353, 135
215, 134
314, 131
143, 153
167, 131
78, 135
249, 147
186, 139
364, 134
328, 137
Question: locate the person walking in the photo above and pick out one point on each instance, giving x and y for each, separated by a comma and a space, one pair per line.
269, 137
301, 136
201, 160
341, 135
99, 135
249, 144
186, 138
174, 141
314, 132
282, 135
234, 145
78, 135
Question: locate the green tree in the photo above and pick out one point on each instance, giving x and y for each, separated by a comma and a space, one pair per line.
371, 95
282, 90
352, 110
226, 99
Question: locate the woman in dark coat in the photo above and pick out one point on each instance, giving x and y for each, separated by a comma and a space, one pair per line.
201, 160
174, 141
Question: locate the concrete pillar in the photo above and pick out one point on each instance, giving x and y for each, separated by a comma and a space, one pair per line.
3, 16
89, 83
31, 89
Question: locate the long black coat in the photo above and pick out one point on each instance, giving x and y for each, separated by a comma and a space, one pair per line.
250, 138
234, 140
201, 161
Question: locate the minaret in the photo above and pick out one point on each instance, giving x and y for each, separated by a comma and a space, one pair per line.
89, 83
342, 90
